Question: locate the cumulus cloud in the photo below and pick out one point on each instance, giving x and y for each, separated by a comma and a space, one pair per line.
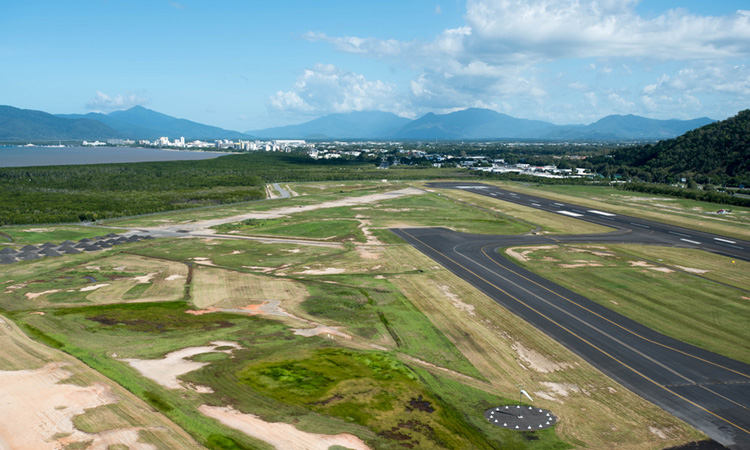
503, 55
600, 28
327, 89
102, 102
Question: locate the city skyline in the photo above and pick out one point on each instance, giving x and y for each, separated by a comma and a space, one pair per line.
244, 67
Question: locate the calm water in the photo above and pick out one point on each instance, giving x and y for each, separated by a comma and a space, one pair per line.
47, 156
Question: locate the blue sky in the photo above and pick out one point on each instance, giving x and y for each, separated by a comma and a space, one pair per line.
246, 65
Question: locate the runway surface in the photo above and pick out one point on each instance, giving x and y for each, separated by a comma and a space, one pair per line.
709, 391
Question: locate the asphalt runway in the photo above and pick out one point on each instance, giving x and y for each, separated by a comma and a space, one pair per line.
709, 391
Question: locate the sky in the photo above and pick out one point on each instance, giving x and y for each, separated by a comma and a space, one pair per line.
245, 65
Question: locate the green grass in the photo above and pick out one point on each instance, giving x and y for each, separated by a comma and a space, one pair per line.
370, 307
55, 234
234, 254
687, 307
316, 229
136, 291
380, 399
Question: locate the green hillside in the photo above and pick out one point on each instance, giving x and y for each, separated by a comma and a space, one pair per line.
719, 151
29, 125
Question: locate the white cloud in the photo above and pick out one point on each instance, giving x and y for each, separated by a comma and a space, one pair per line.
328, 89
506, 54
601, 28
102, 102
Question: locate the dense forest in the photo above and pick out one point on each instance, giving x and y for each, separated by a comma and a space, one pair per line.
718, 153
54, 194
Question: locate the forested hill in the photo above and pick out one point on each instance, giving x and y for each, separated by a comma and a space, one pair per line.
720, 151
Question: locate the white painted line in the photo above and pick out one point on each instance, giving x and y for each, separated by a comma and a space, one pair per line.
536, 204
601, 213
558, 204
641, 225
692, 242
724, 240
568, 213
679, 234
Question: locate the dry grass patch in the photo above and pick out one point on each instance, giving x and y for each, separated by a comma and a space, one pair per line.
166, 279
229, 289
509, 351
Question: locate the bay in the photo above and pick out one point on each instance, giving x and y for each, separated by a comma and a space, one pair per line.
58, 156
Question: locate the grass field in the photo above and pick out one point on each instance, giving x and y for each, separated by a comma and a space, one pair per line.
34, 235
419, 354
345, 223
92, 279
699, 298
674, 211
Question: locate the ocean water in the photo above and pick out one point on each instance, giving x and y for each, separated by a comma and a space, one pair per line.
54, 156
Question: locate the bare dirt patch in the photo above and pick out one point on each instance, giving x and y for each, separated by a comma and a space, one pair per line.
536, 361
283, 436
320, 330
326, 271
692, 270
145, 278
372, 253
578, 265
461, 306
93, 287
174, 277
203, 260
43, 406
166, 370
557, 390
33, 295
522, 253
271, 192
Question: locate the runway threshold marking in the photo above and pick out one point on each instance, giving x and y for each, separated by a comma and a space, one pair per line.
577, 336
724, 240
692, 242
613, 322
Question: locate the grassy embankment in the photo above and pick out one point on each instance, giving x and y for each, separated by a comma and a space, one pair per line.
122, 410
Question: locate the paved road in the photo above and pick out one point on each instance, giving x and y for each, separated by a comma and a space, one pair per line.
709, 391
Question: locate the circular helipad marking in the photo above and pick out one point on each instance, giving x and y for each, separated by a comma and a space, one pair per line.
521, 418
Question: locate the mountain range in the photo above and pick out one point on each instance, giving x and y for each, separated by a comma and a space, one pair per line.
468, 124
477, 124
